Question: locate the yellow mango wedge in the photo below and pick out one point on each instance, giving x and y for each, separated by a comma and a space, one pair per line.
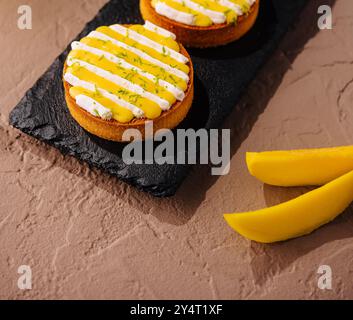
311, 167
296, 217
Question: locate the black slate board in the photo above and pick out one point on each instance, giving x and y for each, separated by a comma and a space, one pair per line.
221, 76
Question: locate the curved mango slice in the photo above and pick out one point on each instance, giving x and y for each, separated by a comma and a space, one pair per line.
311, 167
296, 217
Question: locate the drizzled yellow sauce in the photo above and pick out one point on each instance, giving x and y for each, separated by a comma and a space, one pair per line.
200, 19
150, 108
133, 76
130, 70
205, 12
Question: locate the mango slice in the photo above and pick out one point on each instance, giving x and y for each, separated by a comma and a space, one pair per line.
296, 217
311, 167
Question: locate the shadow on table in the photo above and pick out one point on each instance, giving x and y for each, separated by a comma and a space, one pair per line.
253, 41
267, 260
179, 209
253, 103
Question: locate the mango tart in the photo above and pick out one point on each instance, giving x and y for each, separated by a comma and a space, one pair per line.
202, 23
120, 76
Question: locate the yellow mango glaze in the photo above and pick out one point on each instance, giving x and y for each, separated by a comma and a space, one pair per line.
168, 42
201, 19
147, 60
150, 108
139, 62
120, 114
297, 217
132, 76
153, 53
312, 167
244, 4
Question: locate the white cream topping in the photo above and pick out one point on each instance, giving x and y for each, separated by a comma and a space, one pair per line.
76, 82
128, 85
161, 31
149, 43
143, 55
215, 16
176, 92
232, 6
93, 107
90, 100
183, 17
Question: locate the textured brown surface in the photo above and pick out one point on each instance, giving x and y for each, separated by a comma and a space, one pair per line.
87, 235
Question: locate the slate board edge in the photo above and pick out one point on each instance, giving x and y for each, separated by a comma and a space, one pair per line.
155, 190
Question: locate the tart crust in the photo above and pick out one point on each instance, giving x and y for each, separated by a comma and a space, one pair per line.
114, 130
202, 37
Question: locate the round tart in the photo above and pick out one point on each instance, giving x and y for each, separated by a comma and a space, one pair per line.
121, 76
202, 23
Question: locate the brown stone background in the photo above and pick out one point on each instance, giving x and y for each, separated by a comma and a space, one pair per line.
87, 235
